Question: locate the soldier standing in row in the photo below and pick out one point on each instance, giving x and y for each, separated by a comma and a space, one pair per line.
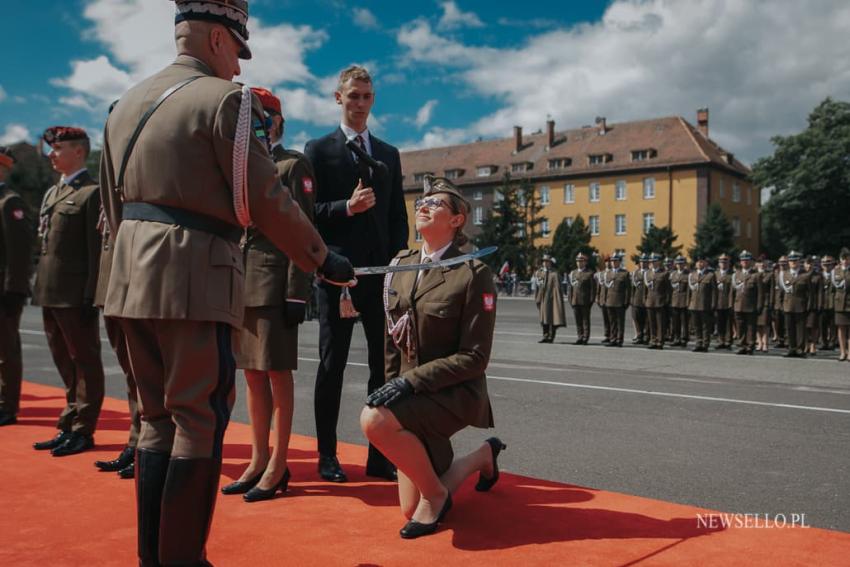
679, 303
639, 301
657, 282
815, 308
15, 249
618, 291
827, 319
177, 276
582, 292
748, 300
797, 287
763, 322
65, 285
841, 284
723, 305
601, 294
702, 288
549, 301
779, 330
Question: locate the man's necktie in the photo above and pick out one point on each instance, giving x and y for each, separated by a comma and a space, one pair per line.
420, 274
362, 167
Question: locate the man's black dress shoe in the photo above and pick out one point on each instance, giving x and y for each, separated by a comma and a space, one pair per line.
76, 443
387, 472
127, 456
496, 446
128, 472
7, 418
414, 529
60, 438
256, 494
241, 487
330, 470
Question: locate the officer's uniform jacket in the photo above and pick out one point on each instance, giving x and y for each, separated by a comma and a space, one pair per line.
184, 159
725, 299
270, 278
601, 290
70, 244
828, 291
657, 288
638, 288
702, 289
767, 288
618, 288
798, 289
679, 288
748, 291
454, 315
841, 284
15, 243
816, 295
582, 287
549, 299
778, 293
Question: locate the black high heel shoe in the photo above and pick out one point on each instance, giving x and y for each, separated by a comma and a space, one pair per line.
414, 529
241, 487
256, 494
484, 484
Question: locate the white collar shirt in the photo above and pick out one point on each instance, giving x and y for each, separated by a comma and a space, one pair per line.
67, 179
351, 134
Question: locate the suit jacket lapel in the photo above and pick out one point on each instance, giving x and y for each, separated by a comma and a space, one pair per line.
344, 151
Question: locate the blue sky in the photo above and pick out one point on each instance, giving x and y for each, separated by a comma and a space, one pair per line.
452, 71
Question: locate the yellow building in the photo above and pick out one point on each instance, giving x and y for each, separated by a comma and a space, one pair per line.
621, 178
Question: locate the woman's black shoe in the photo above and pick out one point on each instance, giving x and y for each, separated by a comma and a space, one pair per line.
414, 529
484, 483
256, 494
241, 487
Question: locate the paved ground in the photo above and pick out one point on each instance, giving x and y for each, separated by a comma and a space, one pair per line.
750, 434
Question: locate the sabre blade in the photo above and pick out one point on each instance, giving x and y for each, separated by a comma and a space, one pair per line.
380, 270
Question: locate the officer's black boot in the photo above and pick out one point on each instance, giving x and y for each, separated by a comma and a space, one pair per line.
188, 502
151, 469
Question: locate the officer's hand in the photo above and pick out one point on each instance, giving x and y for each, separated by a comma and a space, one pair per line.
337, 268
362, 199
295, 312
389, 393
12, 302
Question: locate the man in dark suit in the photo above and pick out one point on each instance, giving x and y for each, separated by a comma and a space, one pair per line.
360, 213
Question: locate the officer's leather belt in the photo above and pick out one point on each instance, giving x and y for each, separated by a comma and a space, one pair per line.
181, 217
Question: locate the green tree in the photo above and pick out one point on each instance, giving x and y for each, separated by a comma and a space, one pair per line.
531, 221
501, 228
568, 241
658, 239
32, 174
809, 177
714, 236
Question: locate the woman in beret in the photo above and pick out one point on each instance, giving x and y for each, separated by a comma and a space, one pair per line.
440, 332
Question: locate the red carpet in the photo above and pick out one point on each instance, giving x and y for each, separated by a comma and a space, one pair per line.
61, 511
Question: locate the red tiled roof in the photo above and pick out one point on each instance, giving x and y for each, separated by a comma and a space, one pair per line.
675, 140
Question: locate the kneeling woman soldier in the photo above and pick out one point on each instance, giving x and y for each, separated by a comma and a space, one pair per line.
440, 325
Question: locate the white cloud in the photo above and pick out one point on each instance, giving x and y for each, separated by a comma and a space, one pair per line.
650, 58
453, 17
365, 19
15, 133
423, 116
301, 104
95, 79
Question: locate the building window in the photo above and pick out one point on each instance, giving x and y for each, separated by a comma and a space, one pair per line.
599, 159
595, 192
648, 187
569, 221
560, 163
478, 195
544, 228
736, 192
418, 236
485, 170
722, 189
620, 252
478, 215
648, 221
620, 190
544, 195
736, 224
497, 196
569, 193
453, 173
643, 155
521, 167
749, 229
594, 225
420, 177
520, 197
620, 224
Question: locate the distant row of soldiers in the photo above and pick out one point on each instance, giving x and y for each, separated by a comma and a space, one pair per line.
799, 303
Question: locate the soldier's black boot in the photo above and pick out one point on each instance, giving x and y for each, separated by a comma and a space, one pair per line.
151, 470
188, 501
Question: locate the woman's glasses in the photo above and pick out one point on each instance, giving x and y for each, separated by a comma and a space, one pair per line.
433, 203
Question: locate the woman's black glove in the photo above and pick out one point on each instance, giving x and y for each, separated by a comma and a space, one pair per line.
389, 393
295, 312
337, 268
12, 302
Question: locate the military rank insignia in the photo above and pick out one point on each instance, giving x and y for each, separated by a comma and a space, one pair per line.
18, 214
259, 129
489, 302
307, 183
